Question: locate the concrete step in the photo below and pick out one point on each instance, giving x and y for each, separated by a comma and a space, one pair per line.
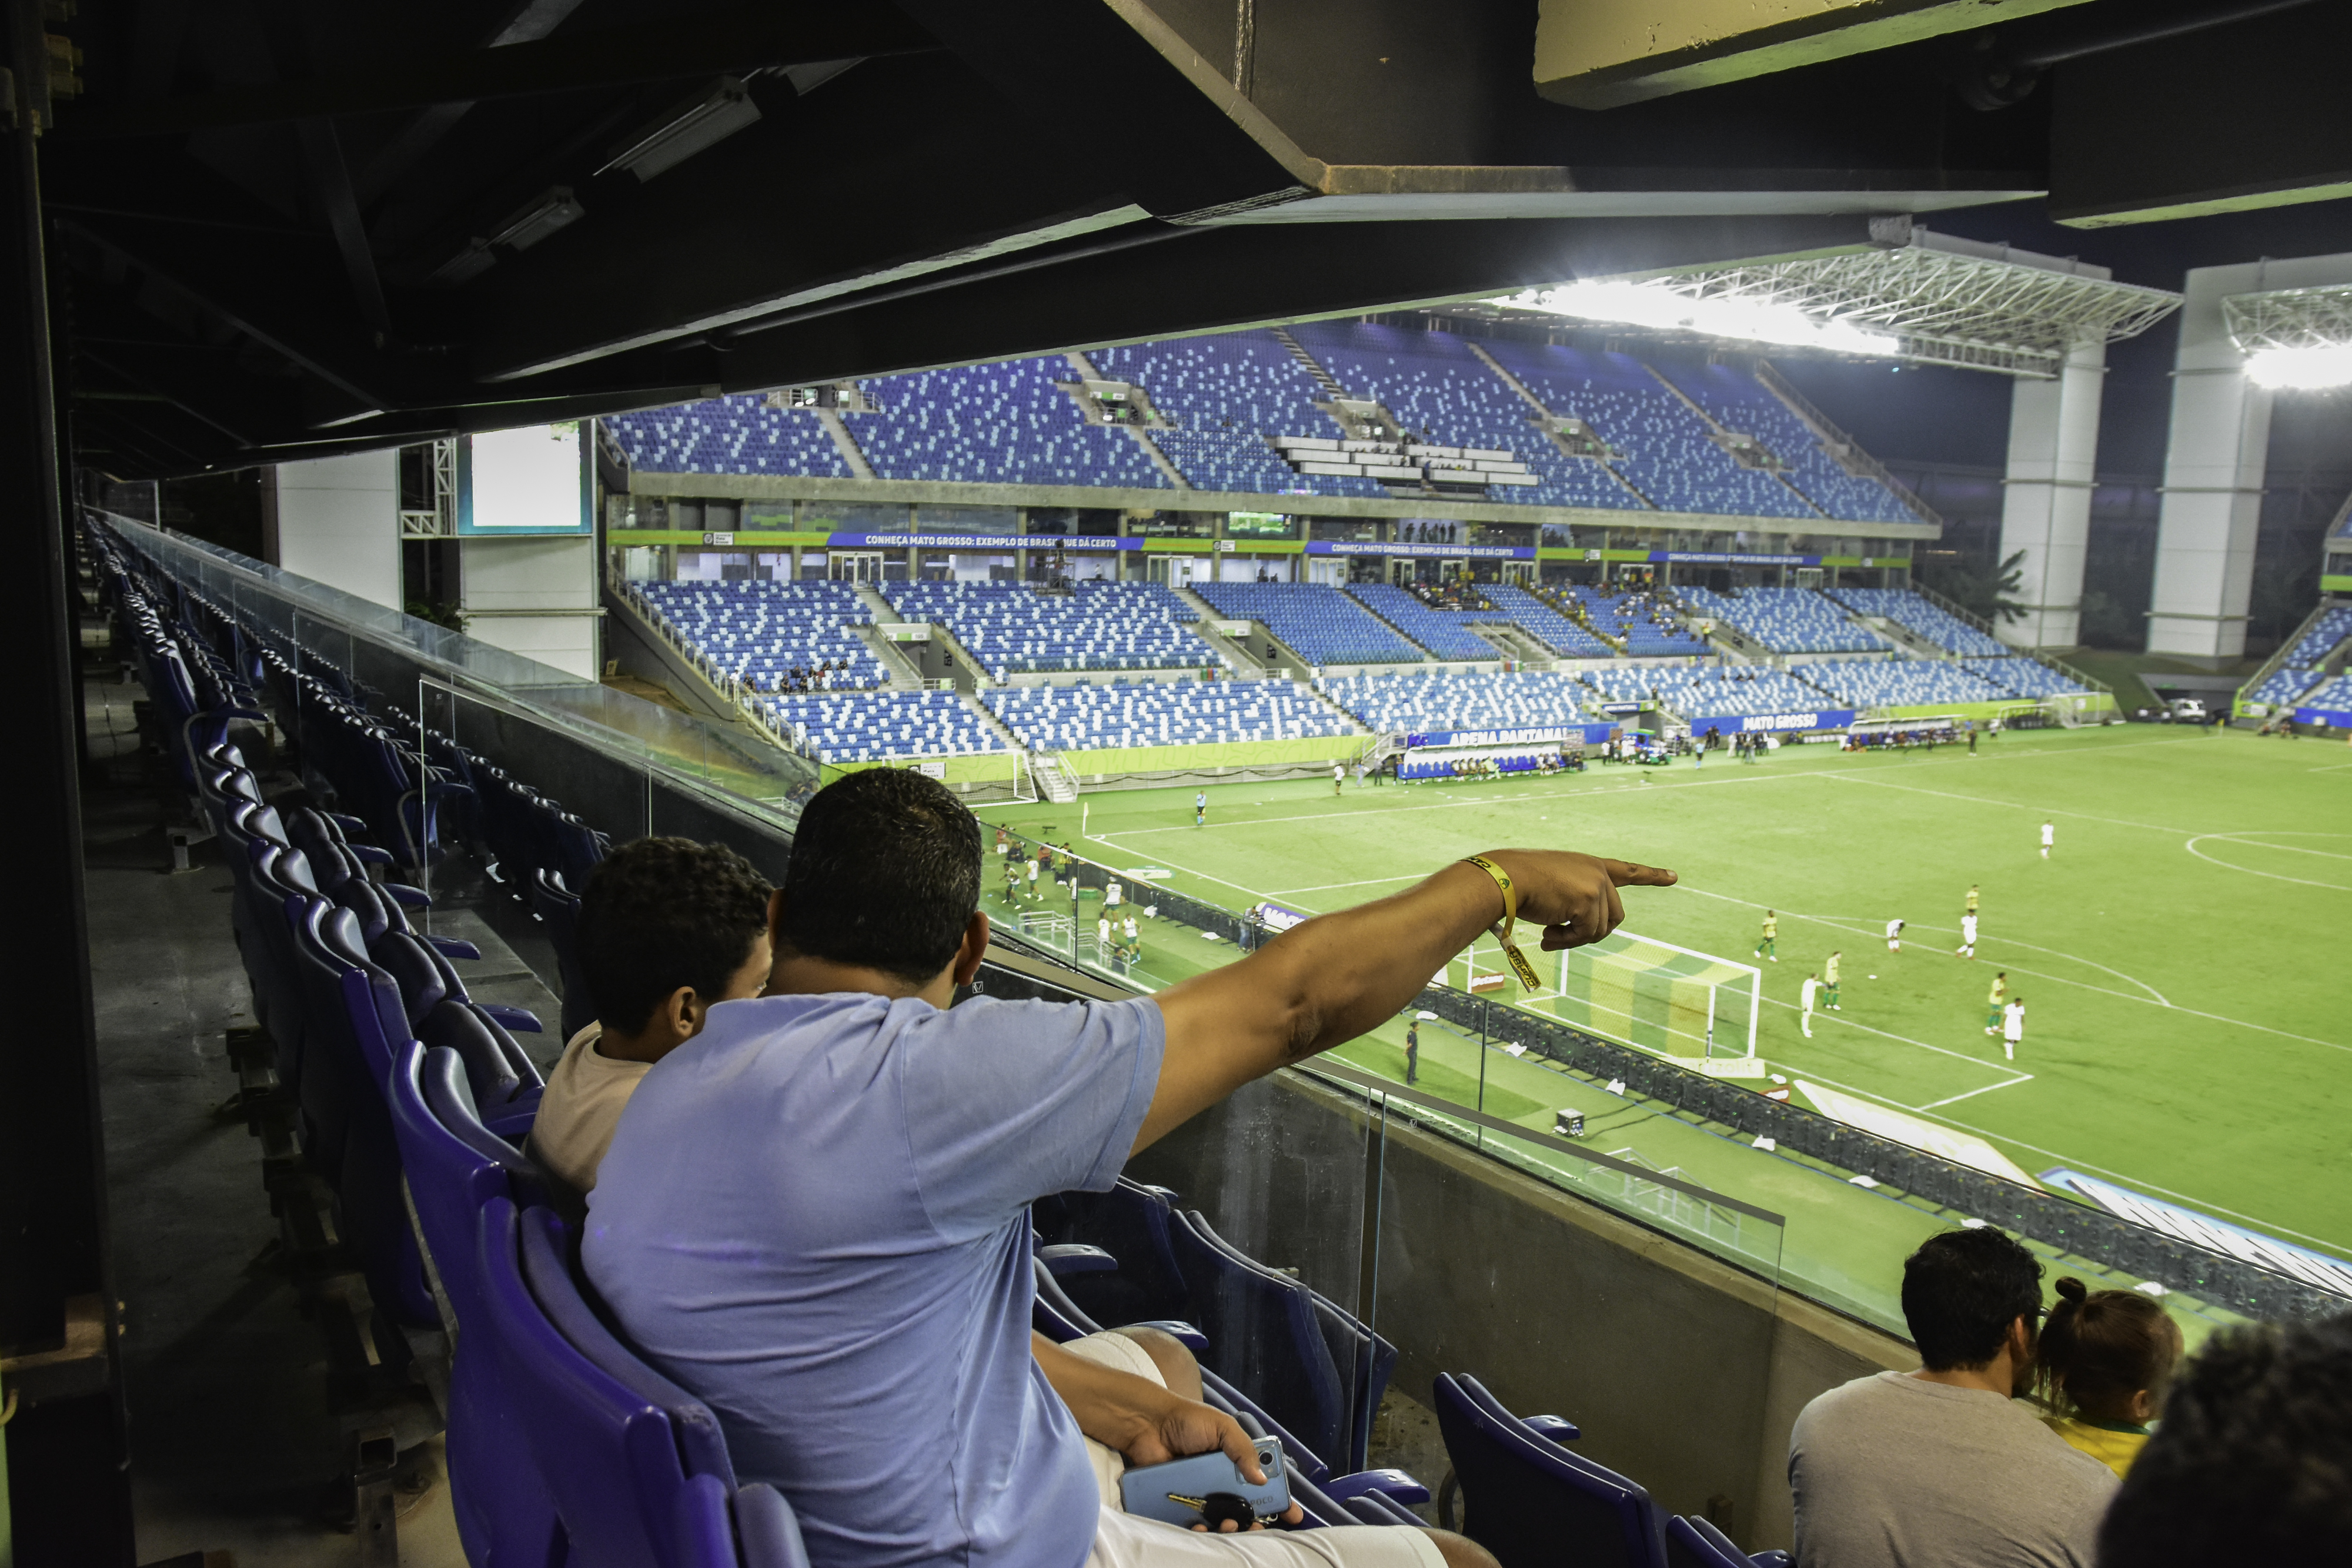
903, 677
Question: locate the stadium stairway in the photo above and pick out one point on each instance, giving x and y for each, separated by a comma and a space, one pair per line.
903, 677
1541, 424
644, 651
1902, 636
1150, 448
1719, 428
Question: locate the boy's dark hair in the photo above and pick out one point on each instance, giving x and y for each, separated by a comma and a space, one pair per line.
2253, 1460
659, 913
2101, 1347
885, 874
1960, 1292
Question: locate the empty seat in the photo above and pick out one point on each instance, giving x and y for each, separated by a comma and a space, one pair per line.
1529, 1501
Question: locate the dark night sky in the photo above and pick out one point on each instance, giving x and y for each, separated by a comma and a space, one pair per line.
1930, 415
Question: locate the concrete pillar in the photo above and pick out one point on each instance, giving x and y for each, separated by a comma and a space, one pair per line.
336, 520
2214, 465
536, 597
2053, 452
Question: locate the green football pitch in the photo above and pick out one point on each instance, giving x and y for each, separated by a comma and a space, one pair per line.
2183, 1037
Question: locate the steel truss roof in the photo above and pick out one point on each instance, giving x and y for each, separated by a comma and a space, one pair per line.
2290, 318
1947, 301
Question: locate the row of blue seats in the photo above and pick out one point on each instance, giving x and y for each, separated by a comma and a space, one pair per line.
759, 631
1787, 620
1546, 624
871, 727
1223, 396
1320, 623
1317, 1373
1433, 700
1012, 629
1916, 612
1171, 713
1445, 632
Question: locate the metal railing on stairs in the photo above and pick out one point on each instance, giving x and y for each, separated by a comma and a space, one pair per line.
1843, 448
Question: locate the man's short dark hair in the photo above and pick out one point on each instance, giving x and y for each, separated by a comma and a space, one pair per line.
1960, 1292
659, 913
2253, 1462
885, 874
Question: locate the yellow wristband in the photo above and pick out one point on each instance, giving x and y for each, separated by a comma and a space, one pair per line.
1502, 929
1510, 894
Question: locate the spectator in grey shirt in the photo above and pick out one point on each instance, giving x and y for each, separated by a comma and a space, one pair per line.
1945, 1466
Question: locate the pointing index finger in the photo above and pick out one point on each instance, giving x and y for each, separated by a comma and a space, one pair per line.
1624, 875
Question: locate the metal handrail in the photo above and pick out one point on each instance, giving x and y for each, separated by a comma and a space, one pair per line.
1843, 447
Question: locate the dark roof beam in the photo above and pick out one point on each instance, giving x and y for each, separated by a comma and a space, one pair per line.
737, 38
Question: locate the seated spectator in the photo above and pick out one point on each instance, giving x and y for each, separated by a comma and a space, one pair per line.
1945, 1465
668, 929
2105, 1357
815, 1216
2253, 1460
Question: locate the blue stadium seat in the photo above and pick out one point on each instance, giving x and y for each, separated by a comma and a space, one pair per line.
870, 727
1898, 683
2019, 676
1013, 628
1787, 620
1713, 692
613, 1440
1532, 1502
1916, 613
1433, 700
1323, 625
1442, 394
1225, 395
734, 435
1005, 424
757, 631
1442, 632
1186, 712
1739, 402
1547, 626
1659, 447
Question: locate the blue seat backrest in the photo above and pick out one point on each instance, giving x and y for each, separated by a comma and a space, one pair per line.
490, 1055
1263, 1337
606, 1455
409, 964
1532, 1503
1131, 1223
753, 1529
548, 1264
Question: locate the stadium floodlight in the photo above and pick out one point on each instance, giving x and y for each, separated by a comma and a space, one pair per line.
1657, 303
1929, 298
2295, 340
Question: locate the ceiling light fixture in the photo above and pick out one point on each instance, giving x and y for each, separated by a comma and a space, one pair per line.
703, 121
554, 208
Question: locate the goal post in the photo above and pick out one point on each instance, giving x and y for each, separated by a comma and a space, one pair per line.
1674, 1001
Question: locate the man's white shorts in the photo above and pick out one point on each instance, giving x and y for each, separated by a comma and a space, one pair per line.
1128, 1540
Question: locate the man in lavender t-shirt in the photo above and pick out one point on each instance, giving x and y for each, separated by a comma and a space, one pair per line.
814, 1214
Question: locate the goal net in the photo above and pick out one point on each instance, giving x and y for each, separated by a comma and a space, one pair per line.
1673, 1000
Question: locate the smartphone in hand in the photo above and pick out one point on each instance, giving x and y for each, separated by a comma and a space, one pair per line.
1175, 1492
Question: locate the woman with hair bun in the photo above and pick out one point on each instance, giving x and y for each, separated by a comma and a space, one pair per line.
2103, 1362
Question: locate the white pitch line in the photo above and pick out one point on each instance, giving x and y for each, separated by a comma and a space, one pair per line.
1886, 1034
1954, 1099
2246, 838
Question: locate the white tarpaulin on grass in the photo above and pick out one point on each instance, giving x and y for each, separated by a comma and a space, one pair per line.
1960, 1148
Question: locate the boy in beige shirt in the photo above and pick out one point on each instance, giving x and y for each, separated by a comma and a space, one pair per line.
669, 928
